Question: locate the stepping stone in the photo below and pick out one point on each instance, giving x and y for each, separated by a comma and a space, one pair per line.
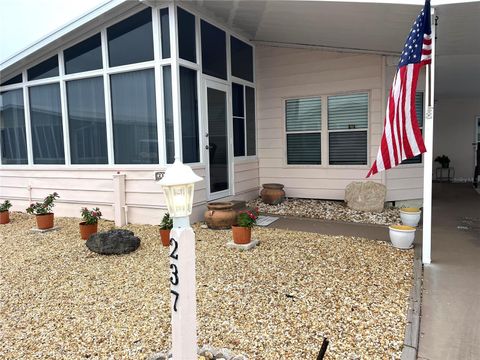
41, 231
243, 247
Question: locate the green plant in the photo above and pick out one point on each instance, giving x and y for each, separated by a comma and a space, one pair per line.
45, 207
443, 160
167, 222
5, 206
91, 216
247, 218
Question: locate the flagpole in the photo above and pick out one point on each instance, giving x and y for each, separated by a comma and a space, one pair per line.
428, 156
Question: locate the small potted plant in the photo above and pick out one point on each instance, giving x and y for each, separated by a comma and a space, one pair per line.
43, 211
89, 225
443, 160
4, 213
165, 226
242, 232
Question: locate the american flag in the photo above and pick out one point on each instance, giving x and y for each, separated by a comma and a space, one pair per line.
401, 137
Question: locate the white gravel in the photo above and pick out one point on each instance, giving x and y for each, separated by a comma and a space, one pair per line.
58, 300
326, 210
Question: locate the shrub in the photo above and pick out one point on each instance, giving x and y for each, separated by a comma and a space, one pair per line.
5, 206
247, 218
91, 216
167, 222
45, 207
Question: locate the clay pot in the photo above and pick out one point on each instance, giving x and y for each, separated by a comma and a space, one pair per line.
87, 229
220, 215
44, 221
165, 236
272, 194
410, 216
402, 236
4, 217
241, 235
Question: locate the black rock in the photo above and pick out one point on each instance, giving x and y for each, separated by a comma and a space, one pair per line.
113, 242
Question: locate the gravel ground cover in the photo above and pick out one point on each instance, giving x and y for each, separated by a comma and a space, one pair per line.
327, 210
58, 300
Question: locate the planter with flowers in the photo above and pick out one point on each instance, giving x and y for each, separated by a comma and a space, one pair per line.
4, 213
165, 226
242, 232
43, 211
89, 225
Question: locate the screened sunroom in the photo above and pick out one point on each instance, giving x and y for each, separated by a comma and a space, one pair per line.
95, 113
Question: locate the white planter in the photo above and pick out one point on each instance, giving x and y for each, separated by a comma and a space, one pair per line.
410, 216
402, 236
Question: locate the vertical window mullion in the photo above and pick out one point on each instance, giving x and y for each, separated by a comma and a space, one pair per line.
245, 118
108, 100
158, 85
28, 127
174, 48
63, 102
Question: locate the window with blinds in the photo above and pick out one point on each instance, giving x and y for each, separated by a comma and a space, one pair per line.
348, 129
419, 111
303, 127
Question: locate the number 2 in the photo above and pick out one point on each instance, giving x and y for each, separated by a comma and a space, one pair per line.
174, 254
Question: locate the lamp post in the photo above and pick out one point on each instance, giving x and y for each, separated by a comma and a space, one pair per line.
178, 186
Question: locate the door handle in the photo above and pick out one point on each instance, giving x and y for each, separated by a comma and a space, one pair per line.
207, 147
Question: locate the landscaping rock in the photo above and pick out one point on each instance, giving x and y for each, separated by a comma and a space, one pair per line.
113, 242
365, 196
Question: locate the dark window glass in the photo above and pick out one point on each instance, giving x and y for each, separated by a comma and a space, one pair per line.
348, 148
46, 121
14, 80
186, 35
237, 100
238, 120
189, 111
214, 51
86, 121
131, 40
134, 117
45, 69
238, 136
165, 27
12, 128
84, 56
168, 113
250, 119
242, 59
304, 149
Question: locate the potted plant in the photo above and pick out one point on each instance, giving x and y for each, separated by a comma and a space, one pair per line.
444, 161
242, 232
165, 226
43, 211
89, 225
4, 213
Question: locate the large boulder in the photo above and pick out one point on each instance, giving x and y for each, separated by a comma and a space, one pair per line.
113, 242
365, 196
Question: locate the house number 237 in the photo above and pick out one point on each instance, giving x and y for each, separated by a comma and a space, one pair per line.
174, 279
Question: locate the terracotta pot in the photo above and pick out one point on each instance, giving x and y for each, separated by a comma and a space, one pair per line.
241, 235
272, 194
220, 215
165, 236
87, 229
4, 217
44, 221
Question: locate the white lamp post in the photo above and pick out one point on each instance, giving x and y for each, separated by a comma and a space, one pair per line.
178, 186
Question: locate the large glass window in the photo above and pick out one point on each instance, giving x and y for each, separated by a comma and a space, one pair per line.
12, 128
347, 126
86, 121
46, 69
165, 28
168, 114
46, 123
242, 59
84, 56
189, 111
186, 35
238, 120
303, 126
214, 51
14, 80
134, 117
131, 40
419, 111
